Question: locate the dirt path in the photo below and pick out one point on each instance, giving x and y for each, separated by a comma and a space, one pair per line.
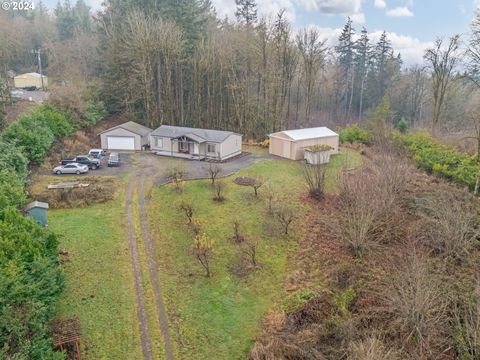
153, 268
142, 315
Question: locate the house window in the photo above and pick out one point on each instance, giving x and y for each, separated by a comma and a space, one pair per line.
211, 148
159, 142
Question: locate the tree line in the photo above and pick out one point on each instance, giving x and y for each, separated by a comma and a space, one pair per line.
177, 62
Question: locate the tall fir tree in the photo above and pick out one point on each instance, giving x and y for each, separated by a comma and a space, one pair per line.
246, 11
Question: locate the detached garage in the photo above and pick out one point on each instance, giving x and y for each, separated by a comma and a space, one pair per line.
290, 144
128, 136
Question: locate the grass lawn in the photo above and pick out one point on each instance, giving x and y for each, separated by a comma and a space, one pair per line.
219, 317
100, 287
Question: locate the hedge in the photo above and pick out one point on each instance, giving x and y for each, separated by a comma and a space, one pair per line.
30, 283
440, 159
30, 275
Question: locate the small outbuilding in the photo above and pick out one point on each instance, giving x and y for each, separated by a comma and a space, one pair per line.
37, 210
32, 79
194, 143
127, 136
290, 144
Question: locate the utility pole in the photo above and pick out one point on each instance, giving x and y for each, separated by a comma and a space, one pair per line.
39, 53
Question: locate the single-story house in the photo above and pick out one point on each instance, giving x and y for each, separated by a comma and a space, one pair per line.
127, 136
192, 143
290, 144
29, 80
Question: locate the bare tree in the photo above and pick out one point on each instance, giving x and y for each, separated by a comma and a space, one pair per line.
249, 248
187, 209
314, 176
237, 236
285, 216
203, 250
214, 170
442, 62
257, 183
270, 195
176, 172
219, 189
312, 52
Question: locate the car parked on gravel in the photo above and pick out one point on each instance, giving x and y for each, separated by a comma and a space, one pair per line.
93, 164
113, 159
72, 168
97, 153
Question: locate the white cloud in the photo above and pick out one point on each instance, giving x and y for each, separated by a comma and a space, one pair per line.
402, 11
340, 7
358, 18
380, 4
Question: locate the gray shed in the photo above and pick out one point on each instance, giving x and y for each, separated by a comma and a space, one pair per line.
37, 210
127, 136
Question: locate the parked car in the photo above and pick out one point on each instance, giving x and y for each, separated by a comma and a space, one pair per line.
92, 163
72, 168
97, 153
114, 159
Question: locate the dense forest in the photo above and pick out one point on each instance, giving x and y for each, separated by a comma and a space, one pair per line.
171, 62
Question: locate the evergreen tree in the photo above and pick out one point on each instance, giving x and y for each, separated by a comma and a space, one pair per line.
66, 21
246, 11
362, 62
345, 51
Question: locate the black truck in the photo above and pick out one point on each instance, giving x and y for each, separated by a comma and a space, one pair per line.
92, 163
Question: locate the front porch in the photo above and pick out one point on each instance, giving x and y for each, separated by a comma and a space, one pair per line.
180, 155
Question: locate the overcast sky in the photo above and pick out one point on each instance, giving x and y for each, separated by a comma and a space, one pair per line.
412, 24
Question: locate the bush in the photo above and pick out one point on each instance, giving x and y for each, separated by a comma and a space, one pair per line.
402, 125
58, 122
30, 283
354, 134
12, 158
440, 159
12, 191
32, 136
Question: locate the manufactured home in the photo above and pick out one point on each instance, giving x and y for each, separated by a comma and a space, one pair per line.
193, 143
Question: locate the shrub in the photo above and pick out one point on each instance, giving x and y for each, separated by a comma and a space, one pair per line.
12, 191
30, 283
58, 122
354, 134
323, 147
11, 158
402, 125
32, 136
440, 159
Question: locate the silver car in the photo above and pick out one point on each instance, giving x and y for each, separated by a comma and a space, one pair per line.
72, 168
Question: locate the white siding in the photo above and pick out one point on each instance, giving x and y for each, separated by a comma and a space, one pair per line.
230, 147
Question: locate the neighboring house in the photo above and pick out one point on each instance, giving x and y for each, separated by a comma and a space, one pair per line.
127, 136
29, 80
194, 143
290, 144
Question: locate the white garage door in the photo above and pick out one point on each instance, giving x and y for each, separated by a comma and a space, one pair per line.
121, 142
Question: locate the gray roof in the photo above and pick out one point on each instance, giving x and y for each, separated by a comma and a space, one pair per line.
199, 135
36, 204
134, 127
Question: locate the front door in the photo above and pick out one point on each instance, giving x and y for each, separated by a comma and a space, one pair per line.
184, 146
